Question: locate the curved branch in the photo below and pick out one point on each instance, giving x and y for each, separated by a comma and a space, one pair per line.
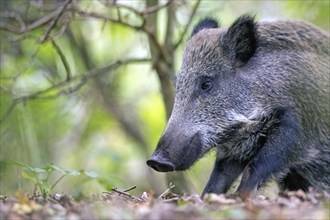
54, 22
155, 8
82, 78
64, 61
23, 29
142, 27
188, 24
143, 12
30, 27
106, 18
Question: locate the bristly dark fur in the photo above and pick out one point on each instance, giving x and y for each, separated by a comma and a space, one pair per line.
240, 41
206, 23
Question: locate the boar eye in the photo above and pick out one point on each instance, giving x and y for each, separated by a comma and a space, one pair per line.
206, 85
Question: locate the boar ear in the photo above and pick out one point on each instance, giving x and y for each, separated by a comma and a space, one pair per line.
240, 41
205, 23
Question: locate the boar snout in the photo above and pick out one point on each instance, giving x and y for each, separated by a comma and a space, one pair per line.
160, 164
176, 150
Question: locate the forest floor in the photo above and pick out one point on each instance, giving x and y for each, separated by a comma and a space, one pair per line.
124, 205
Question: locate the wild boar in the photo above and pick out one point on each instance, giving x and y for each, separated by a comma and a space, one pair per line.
259, 94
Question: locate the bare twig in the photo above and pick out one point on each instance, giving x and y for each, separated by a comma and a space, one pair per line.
121, 192
171, 9
21, 37
83, 78
39, 5
68, 91
143, 12
57, 181
15, 16
86, 14
23, 29
167, 191
64, 61
116, 64
41, 21
188, 24
141, 27
126, 194
9, 27
155, 8
118, 13
86, 76
118, 6
32, 26
129, 189
28, 63
54, 22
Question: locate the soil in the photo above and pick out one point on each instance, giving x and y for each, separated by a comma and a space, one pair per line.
124, 205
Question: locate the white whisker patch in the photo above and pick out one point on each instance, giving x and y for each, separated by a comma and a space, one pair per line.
235, 116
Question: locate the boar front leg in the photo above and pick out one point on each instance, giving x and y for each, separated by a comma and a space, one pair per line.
279, 151
224, 173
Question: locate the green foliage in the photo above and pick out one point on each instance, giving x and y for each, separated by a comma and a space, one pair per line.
316, 12
41, 176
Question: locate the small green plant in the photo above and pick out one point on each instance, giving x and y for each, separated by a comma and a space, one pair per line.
41, 176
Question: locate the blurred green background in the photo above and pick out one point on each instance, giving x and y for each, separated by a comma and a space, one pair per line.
89, 122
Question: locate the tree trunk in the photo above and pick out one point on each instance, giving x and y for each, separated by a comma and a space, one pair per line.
163, 63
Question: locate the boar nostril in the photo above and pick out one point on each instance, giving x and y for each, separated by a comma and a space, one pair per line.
160, 166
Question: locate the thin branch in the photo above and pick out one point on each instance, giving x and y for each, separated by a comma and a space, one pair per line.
21, 37
106, 18
62, 92
188, 24
54, 22
29, 63
155, 8
167, 191
118, 13
39, 5
143, 12
142, 28
83, 78
127, 119
59, 179
9, 110
17, 17
9, 27
73, 89
118, 6
33, 55
30, 27
41, 21
64, 61
86, 76
129, 189
126, 194
115, 65
171, 9
121, 192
